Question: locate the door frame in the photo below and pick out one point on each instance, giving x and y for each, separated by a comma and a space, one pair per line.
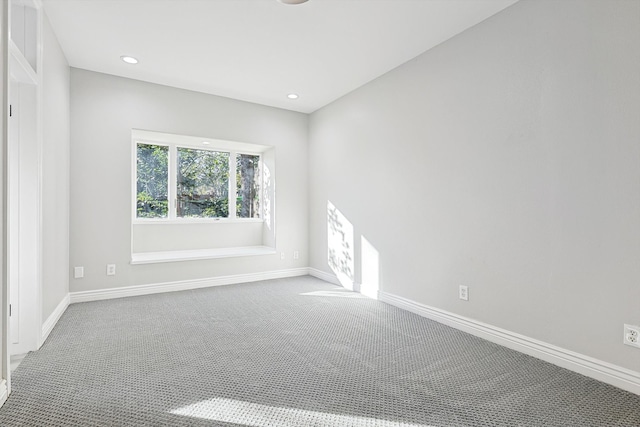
14, 66
5, 377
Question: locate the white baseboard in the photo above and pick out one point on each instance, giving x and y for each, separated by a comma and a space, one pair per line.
585, 365
51, 321
182, 285
603, 371
327, 277
4, 392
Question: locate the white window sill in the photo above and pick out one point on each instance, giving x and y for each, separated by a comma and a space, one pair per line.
165, 221
198, 254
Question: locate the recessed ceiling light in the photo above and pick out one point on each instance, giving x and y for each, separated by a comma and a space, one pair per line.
293, 1
206, 142
293, 96
129, 59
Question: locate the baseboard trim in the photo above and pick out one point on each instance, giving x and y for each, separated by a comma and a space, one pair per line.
182, 285
53, 318
327, 277
4, 392
603, 371
597, 369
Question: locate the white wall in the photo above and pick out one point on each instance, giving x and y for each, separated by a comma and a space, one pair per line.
104, 110
55, 173
154, 237
506, 159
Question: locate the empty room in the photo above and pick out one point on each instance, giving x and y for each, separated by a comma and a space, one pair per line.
297, 213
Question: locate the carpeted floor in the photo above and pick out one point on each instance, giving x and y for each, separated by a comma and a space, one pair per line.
293, 352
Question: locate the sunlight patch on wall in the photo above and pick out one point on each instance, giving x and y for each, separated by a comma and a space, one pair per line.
257, 415
340, 246
267, 190
370, 265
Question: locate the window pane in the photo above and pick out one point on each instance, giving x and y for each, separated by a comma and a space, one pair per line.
203, 184
152, 178
248, 186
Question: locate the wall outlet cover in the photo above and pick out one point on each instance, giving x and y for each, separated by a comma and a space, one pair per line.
78, 272
111, 269
463, 292
632, 335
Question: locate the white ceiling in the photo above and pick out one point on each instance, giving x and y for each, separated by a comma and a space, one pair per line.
259, 50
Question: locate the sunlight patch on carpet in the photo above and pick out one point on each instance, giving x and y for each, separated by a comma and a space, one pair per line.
257, 415
337, 293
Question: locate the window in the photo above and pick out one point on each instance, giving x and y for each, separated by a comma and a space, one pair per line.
203, 184
247, 186
196, 198
153, 180
182, 182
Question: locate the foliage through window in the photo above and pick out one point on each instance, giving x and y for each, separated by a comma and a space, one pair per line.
153, 173
248, 188
203, 184
199, 182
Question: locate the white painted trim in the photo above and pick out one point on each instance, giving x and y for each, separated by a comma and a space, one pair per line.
597, 369
53, 318
232, 185
21, 70
40, 144
327, 277
197, 254
5, 28
182, 285
3, 392
187, 221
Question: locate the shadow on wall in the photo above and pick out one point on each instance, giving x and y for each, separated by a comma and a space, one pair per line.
340, 246
341, 255
266, 193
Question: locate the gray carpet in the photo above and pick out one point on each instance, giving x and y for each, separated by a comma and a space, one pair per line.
296, 352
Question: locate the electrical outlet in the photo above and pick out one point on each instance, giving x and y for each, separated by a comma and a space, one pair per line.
632, 335
296, 254
463, 293
78, 272
281, 255
111, 269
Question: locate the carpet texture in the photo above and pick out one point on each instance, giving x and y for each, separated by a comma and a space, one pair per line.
293, 352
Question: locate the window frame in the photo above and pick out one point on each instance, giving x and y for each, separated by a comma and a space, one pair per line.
172, 182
